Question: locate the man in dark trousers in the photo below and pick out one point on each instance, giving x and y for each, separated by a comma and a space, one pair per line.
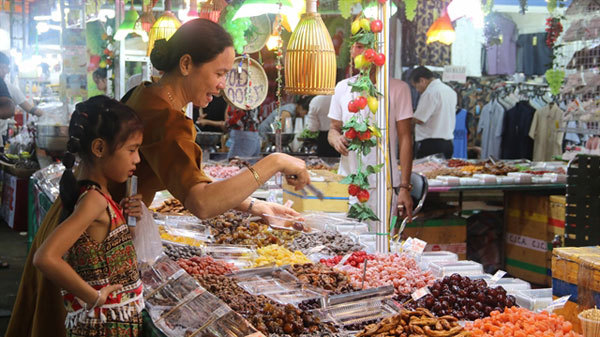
435, 115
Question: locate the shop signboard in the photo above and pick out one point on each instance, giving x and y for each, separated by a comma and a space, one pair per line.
455, 74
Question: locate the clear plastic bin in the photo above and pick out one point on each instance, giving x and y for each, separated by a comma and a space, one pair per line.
511, 285
442, 256
463, 268
534, 299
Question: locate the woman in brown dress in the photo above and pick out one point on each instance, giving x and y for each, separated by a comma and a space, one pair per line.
195, 62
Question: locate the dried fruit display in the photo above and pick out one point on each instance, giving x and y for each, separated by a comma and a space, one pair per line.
420, 322
334, 243
264, 314
231, 228
176, 252
279, 255
323, 277
520, 322
464, 298
218, 171
172, 206
206, 265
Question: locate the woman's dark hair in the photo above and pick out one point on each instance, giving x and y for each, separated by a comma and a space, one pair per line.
420, 72
98, 117
304, 101
202, 39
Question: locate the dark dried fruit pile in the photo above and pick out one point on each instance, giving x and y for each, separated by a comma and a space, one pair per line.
323, 277
464, 298
264, 314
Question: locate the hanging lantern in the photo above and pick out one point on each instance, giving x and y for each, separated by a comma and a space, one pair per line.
310, 58
211, 10
164, 27
147, 18
441, 30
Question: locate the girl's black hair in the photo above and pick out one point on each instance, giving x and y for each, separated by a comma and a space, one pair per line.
98, 117
202, 39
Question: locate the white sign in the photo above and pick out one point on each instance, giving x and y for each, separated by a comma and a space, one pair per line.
526, 242
343, 260
455, 73
499, 274
414, 245
558, 303
420, 293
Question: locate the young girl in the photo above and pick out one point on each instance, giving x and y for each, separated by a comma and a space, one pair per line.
90, 255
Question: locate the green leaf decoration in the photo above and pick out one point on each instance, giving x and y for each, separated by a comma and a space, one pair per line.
362, 212
345, 8
552, 4
347, 179
410, 9
555, 80
374, 169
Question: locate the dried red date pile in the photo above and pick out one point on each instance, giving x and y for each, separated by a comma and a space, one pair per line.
264, 314
355, 260
206, 265
464, 298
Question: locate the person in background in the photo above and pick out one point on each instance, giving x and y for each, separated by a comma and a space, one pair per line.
212, 118
319, 122
244, 140
435, 115
293, 110
16, 93
7, 105
400, 115
99, 77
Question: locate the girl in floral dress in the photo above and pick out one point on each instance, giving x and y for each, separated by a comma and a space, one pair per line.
90, 255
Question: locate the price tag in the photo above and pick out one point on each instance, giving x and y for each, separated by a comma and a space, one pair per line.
177, 274
343, 260
222, 311
534, 41
499, 274
316, 249
414, 245
420, 293
558, 303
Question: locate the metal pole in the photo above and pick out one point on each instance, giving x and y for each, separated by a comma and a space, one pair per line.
381, 243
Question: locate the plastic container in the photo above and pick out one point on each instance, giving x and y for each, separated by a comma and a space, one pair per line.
521, 178
429, 257
534, 299
470, 181
589, 327
463, 268
486, 179
450, 180
506, 180
511, 285
556, 178
435, 182
541, 180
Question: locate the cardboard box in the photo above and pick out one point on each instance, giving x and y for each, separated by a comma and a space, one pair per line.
528, 240
441, 234
336, 194
557, 214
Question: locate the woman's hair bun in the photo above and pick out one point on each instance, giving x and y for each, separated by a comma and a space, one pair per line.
159, 56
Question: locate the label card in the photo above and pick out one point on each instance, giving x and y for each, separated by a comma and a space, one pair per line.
420, 293
499, 274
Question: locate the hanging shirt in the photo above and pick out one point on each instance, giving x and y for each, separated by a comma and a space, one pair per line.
535, 55
501, 59
544, 132
516, 143
460, 135
490, 125
437, 111
466, 50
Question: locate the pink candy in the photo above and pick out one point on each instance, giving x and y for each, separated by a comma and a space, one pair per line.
400, 271
220, 171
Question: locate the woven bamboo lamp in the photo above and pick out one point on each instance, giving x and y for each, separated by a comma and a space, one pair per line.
212, 9
310, 58
164, 27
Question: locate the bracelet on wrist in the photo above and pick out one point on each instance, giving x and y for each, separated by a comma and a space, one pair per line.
255, 174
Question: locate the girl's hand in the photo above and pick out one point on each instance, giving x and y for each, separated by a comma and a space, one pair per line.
132, 206
104, 292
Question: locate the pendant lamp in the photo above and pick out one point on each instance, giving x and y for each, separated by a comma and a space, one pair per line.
252, 8
310, 57
441, 30
128, 26
164, 27
212, 9
147, 18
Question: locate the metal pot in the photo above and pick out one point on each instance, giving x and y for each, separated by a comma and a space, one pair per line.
208, 138
52, 137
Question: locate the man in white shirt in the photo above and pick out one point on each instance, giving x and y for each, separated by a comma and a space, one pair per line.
435, 115
400, 136
14, 90
317, 121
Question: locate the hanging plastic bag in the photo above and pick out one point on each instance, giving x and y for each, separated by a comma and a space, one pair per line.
147, 242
